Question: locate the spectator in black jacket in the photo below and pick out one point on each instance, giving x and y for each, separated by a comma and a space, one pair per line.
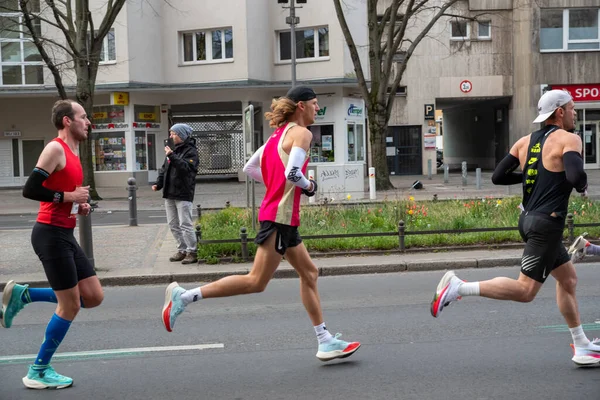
177, 179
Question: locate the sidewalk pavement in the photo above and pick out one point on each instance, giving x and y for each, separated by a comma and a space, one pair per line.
140, 256
127, 255
215, 194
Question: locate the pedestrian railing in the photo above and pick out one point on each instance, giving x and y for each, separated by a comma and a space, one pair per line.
401, 233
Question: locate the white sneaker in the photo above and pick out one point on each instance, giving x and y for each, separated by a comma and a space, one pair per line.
587, 355
578, 249
446, 293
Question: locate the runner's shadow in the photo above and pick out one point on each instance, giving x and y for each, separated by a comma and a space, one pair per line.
342, 364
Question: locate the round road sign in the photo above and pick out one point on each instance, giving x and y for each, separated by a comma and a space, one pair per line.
466, 86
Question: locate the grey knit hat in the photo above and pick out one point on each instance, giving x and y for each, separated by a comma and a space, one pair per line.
182, 130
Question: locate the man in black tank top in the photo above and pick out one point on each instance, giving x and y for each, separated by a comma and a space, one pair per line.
551, 166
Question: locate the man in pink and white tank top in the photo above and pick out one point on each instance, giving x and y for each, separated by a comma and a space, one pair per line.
281, 165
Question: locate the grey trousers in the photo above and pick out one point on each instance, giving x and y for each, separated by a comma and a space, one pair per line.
179, 217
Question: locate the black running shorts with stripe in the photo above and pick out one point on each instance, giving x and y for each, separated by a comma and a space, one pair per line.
544, 249
287, 235
64, 261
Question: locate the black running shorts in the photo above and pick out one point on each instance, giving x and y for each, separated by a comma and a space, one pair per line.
287, 236
544, 249
64, 261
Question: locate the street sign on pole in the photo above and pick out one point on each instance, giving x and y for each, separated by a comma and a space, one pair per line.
292, 21
249, 149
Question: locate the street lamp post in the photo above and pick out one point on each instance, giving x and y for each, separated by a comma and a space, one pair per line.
292, 21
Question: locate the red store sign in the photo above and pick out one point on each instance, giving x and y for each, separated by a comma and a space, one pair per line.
580, 93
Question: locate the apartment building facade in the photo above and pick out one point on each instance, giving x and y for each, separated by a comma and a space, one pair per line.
471, 87
202, 63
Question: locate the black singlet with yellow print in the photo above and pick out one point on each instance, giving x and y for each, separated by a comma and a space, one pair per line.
544, 191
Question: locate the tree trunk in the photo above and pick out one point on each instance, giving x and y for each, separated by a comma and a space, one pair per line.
85, 97
378, 131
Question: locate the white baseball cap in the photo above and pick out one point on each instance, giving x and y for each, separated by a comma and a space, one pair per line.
549, 102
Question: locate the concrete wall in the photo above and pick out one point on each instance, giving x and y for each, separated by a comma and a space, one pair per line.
259, 38
144, 44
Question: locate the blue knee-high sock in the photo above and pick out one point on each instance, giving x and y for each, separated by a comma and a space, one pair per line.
31, 295
55, 332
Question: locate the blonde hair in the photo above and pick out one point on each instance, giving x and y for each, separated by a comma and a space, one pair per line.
281, 109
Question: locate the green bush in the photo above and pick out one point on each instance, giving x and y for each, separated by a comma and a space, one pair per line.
343, 218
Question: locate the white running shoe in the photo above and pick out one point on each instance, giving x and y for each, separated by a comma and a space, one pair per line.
587, 355
578, 249
446, 293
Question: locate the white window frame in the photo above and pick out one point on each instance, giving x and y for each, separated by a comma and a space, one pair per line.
208, 33
21, 40
565, 27
460, 38
316, 48
489, 35
104, 50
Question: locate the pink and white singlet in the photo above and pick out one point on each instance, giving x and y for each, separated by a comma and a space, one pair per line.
282, 198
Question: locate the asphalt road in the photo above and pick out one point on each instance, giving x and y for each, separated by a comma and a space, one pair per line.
99, 218
264, 346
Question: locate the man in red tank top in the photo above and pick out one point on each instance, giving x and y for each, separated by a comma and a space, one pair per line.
56, 183
281, 165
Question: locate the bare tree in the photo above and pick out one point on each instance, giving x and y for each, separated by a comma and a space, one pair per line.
78, 46
388, 39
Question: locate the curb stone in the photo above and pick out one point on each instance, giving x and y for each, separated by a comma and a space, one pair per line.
288, 272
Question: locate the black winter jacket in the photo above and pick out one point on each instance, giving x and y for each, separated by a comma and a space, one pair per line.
177, 176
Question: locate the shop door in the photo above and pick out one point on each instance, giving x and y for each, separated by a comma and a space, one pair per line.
31, 153
152, 167
590, 144
6, 163
403, 150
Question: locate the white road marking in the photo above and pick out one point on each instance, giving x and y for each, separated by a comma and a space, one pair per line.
115, 352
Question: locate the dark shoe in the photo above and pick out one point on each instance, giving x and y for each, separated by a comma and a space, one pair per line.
179, 256
190, 258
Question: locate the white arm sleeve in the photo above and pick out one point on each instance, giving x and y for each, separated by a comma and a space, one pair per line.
293, 171
252, 167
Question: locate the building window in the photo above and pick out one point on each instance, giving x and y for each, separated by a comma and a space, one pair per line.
108, 52
461, 30
20, 62
322, 146
484, 30
310, 43
213, 45
569, 30
109, 151
356, 142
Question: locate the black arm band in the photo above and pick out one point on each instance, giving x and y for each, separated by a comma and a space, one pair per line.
574, 170
504, 175
34, 189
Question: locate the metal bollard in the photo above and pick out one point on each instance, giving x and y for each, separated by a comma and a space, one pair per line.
464, 173
132, 201
401, 235
429, 172
478, 178
570, 227
244, 241
198, 233
199, 212
372, 184
446, 173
